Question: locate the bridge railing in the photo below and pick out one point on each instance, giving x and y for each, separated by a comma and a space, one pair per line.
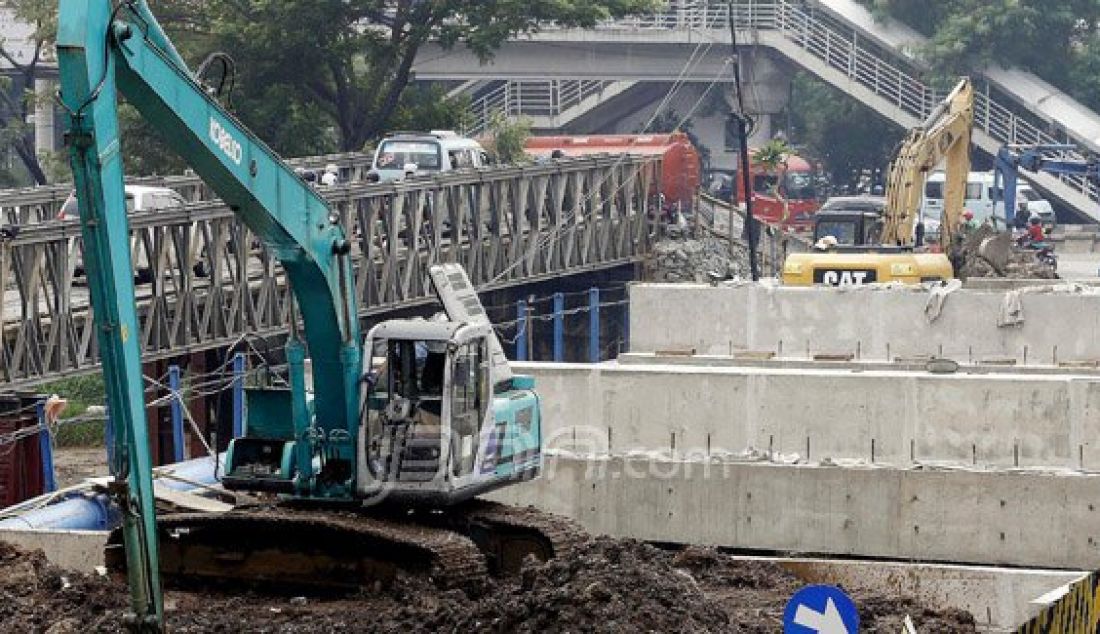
28, 205
887, 73
204, 282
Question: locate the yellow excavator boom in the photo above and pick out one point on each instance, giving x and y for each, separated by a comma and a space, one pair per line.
944, 136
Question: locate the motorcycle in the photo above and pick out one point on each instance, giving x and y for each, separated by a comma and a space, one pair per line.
1044, 251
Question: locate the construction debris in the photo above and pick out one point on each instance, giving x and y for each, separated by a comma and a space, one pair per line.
987, 252
605, 585
681, 258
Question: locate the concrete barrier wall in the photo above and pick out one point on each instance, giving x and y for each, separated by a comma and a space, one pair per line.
870, 323
897, 418
989, 518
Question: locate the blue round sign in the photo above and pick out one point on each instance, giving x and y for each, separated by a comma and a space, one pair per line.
820, 610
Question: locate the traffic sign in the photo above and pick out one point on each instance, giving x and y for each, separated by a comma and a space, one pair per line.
820, 610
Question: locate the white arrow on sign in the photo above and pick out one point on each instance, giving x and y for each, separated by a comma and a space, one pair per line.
828, 622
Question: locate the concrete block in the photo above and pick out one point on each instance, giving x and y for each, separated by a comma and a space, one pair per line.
971, 517
81, 551
883, 417
872, 324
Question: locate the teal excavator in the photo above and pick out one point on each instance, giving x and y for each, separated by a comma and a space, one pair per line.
428, 418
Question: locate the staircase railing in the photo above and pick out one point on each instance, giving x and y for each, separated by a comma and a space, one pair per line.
887, 73
530, 98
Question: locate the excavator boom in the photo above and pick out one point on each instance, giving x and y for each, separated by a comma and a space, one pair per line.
446, 421
884, 252
944, 136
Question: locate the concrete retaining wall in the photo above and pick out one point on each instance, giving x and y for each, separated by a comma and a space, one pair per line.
871, 324
897, 418
990, 518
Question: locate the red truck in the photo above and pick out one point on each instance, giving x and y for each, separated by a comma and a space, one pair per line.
786, 196
680, 165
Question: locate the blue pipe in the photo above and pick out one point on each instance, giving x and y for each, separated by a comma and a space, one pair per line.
96, 512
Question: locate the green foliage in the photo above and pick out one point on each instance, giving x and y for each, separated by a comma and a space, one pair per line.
508, 137
772, 154
344, 66
847, 136
1059, 41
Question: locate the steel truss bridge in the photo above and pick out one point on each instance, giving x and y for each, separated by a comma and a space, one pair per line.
203, 282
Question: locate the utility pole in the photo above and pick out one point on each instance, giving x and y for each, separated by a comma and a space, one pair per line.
751, 232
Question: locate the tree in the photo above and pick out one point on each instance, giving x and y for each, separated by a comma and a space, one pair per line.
508, 137
1059, 41
17, 97
351, 61
846, 135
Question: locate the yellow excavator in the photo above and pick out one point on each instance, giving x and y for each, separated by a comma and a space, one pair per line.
863, 243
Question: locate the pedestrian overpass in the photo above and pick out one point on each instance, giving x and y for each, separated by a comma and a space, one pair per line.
557, 75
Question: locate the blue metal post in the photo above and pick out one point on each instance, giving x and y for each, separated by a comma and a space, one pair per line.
174, 384
45, 443
238, 395
521, 331
593, 325
559, 327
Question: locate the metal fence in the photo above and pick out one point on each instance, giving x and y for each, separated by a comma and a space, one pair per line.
204, 282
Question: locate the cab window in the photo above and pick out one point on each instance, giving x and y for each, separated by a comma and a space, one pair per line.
469, 402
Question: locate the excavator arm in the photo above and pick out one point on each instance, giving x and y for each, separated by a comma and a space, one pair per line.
945, 135
105, 48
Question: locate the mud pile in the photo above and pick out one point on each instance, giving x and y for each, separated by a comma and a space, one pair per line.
606, 585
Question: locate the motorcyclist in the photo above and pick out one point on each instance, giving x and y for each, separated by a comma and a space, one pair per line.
1035, 233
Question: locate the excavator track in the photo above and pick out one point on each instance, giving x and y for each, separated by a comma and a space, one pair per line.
294, 548
507, 535
290, 547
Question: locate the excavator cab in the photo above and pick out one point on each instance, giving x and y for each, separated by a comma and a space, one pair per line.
430, 426
441, 416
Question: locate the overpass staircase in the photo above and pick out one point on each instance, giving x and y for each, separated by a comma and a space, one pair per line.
840, 43
549, 104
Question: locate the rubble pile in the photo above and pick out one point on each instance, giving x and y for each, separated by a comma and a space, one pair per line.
606, 585
681, 258
989, 253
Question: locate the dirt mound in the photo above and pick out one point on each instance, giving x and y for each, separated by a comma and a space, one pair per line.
607, 585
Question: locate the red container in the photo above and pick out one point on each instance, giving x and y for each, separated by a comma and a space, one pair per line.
680, 165
21, 476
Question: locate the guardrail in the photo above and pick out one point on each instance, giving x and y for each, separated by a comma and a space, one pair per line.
28, 205
204, 282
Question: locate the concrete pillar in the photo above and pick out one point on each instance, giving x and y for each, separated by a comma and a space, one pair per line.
45, 139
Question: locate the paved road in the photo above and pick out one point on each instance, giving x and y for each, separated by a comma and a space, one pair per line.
1079, 266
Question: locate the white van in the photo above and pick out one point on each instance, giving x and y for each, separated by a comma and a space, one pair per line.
979, 200
408, 153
